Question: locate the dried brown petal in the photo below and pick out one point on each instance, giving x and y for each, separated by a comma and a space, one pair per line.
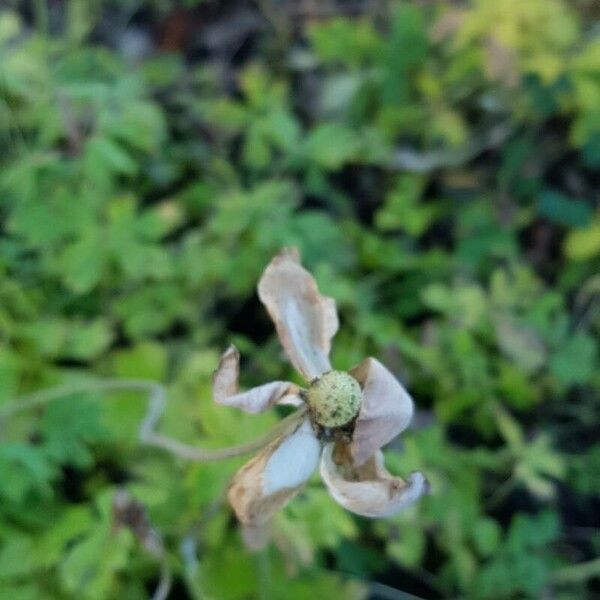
386, 409
369, 490
255, 400
305, 320
274, 476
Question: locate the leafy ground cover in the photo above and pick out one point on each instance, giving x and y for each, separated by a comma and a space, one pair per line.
437, 165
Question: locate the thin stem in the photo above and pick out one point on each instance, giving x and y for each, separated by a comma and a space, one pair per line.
166, 580
40, 10
500, 493
263, 574
156, 406
276, 18
385, 592
149, 436
577, 573
407, 158
46, 396
132, 514
153, 544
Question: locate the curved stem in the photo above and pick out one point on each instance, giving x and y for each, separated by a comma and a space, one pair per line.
578, 572
149, 436
156, 406
166, 579
132, 514
37, 399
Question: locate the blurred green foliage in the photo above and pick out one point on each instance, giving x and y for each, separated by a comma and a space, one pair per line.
434, 164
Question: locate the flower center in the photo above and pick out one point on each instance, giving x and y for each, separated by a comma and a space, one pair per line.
334, 399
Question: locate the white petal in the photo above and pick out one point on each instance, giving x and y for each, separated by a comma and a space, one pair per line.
293, 462
386, 409
305, 320
368, 490
255, 400
274, 476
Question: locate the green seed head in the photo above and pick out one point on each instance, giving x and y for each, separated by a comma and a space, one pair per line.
334, 399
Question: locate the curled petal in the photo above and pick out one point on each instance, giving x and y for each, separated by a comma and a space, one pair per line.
386, 409
369, 490
305, 320
274, 476
255, 400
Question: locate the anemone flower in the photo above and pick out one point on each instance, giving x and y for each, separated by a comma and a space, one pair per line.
344, 418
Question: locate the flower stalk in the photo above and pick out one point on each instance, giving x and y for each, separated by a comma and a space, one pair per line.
148, 434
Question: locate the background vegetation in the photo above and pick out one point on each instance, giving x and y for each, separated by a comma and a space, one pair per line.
437, 165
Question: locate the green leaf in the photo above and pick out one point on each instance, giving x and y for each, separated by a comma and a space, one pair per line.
521, 343
9, 374
68, 426
331, 145
69, 339
576, 360
161, 220
406, 50
319, 520
584, 470
25, 591
404, 210
583, 244
17, 557
486, 536
61, 533
86, 341
140, 124
564, 210
10, 25
91, 565
147, 360
25, 470
408, 550
348, 41
109, 156
82, 262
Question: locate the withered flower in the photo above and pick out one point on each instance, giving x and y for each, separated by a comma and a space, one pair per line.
343, 421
